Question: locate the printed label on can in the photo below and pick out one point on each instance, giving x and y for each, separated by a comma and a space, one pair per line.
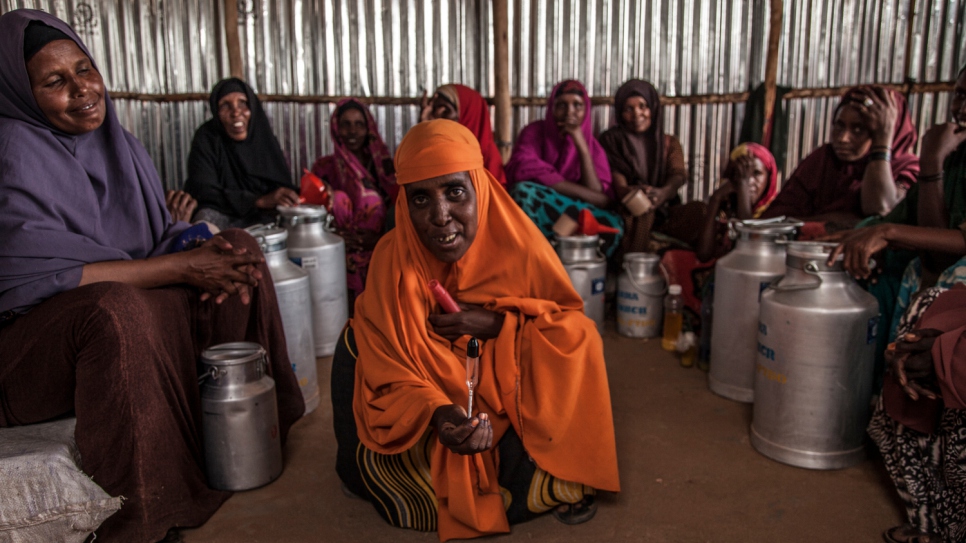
310, 262
296, 260
596, 286
872, 332
632, 309
762, 328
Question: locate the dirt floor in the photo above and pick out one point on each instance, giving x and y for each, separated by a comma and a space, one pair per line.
688, 474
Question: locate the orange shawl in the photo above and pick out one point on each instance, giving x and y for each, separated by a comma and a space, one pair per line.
544, 375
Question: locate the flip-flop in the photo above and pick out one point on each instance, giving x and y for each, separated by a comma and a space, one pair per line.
577, 513
890, 535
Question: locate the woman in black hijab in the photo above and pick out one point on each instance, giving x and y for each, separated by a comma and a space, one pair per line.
642, 156
236, 169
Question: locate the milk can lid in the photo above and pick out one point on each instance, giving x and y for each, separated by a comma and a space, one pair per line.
231, 354
270, 238
303, 211
579, 240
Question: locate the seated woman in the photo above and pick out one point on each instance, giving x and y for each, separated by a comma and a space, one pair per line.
362, 182
558, 167
466, 106
100, 314
750, 183
236, 169
919, 423
642, 156
864, 171
400, 409
927, 222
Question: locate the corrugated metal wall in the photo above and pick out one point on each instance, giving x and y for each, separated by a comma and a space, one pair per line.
403, 47
836, 43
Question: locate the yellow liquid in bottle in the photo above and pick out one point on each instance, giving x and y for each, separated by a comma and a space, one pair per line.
672, 329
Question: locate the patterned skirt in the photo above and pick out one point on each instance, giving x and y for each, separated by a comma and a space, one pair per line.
929, 470
544, 206
400, 487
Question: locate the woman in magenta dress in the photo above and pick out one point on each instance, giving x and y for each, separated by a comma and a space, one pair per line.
362, 182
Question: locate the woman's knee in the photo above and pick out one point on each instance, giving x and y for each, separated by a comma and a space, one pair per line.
241, 239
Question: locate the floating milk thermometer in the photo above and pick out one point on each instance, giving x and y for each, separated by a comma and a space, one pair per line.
472, 370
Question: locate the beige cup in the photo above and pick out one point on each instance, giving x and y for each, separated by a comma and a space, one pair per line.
637, 202
565, 226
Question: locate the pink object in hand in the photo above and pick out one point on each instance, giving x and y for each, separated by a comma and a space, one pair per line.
445, 300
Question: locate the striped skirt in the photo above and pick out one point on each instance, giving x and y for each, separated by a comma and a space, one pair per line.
400, 487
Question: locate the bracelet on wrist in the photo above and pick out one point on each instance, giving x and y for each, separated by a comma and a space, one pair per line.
881, 155
931, 178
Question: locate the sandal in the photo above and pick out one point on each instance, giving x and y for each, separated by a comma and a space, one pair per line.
578, 513
907, 534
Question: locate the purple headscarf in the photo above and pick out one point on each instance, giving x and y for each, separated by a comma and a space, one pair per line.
541, 154
67, 201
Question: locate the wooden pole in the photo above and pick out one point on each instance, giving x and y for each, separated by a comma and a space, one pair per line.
232, 41
910, 22
502, 101
771, 69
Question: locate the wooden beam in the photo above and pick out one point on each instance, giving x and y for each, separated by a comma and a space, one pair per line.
502, 100
232, 41
537, 101
771, 68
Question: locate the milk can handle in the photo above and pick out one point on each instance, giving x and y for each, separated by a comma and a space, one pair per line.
212, 372
664, 273
329, 218
811, 268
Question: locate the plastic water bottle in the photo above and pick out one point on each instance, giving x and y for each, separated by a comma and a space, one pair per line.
673, 318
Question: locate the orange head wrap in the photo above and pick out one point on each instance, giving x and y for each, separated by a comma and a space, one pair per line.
548, 352
435, 148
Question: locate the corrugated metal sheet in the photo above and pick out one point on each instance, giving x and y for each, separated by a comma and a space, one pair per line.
404, 47
835, 43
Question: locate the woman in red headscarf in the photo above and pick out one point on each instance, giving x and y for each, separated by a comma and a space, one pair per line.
362, 182
541, 417
866, 168
750, 183
466, 106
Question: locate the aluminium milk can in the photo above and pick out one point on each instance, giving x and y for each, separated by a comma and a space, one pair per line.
587, 269
813, 380
321, 254
294, 303
640, 296
239, 420
739, 278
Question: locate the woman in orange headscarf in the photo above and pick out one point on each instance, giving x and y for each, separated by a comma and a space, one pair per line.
541, 435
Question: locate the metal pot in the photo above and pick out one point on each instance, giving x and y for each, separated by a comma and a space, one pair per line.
640, 296
321, 254
239, 420
740, 276
815, 354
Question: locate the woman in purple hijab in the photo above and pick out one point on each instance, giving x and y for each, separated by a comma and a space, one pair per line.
105, 304
558, 167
